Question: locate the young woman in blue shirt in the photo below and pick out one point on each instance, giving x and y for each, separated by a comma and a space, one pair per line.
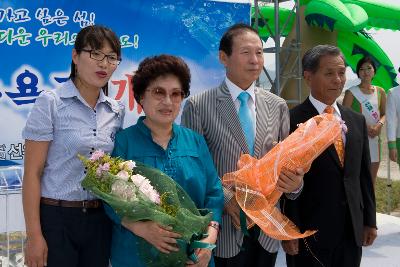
66, 225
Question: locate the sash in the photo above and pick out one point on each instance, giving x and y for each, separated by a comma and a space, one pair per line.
365, 104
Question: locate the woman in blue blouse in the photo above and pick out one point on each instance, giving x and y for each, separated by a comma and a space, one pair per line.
66, 225
160, 84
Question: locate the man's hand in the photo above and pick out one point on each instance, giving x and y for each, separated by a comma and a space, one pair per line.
161, 237
289, 181
393, 154
369, 235
233, 209
291, 247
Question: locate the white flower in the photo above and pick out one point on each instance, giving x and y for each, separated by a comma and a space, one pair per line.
124, 190
127, 165
138, 179
146, 188
123, 175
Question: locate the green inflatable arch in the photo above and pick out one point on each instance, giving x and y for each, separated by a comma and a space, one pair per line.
351, 19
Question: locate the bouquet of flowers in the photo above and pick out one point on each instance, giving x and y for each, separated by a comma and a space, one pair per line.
138, 192
255, 181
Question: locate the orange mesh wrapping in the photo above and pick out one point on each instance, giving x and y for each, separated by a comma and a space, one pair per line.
255, 181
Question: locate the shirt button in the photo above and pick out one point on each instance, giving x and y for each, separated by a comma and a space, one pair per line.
84, 172
92, 148
94, 134
94, 130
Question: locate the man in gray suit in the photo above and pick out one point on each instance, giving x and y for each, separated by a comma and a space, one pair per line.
232, 127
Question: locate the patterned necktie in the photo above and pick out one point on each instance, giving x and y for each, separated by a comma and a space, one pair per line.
246, 121
338, 142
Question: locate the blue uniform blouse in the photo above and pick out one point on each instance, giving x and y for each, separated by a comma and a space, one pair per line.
63, 117
186, 160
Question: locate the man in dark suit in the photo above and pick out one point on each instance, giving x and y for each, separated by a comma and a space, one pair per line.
338, 195
217, 114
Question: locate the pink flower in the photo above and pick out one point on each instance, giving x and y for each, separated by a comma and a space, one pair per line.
102, 168
343, 126
97, 155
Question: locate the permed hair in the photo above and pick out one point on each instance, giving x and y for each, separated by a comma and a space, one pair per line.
153, 67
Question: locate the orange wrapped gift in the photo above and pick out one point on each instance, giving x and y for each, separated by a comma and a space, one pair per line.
255, 181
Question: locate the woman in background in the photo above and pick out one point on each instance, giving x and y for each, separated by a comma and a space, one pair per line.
160, 84
393, 123
370, 100
65, 225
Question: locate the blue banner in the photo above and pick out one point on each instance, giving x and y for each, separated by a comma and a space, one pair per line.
37, 37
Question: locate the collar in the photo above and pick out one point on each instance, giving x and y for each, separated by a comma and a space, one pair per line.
321, 106
69, 90
236, 90
147, 132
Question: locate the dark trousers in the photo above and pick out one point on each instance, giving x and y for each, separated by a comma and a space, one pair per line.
344, 254
76, 237
252, 255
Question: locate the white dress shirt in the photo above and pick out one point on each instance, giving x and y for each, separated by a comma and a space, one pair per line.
251, 103
393, 114
321, 108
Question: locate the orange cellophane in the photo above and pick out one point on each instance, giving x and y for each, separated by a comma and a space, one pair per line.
255, 181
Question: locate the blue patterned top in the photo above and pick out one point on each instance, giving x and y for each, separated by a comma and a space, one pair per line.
63, 117
186, 160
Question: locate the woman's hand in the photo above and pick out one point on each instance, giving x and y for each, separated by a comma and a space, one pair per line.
204, 255
36, 251
161, 237
374, 130
393, 154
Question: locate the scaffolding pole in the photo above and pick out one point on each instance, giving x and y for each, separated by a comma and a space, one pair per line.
294, 72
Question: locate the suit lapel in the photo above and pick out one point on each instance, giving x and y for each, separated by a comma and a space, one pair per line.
349, 137
262, 121
227, 111
310, 111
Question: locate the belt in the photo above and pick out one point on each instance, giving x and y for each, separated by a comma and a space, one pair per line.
85, 204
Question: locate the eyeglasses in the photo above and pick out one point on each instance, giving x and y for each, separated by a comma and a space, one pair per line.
99, 56
160, 94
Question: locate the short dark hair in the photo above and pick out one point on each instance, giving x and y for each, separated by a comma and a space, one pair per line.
226, 42
312, 57
95, 36
365, 59
153, 67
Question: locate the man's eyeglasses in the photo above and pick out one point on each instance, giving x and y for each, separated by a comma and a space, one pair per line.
160, 94
99, 56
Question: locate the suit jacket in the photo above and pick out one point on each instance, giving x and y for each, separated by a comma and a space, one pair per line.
330, 189
213, 114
